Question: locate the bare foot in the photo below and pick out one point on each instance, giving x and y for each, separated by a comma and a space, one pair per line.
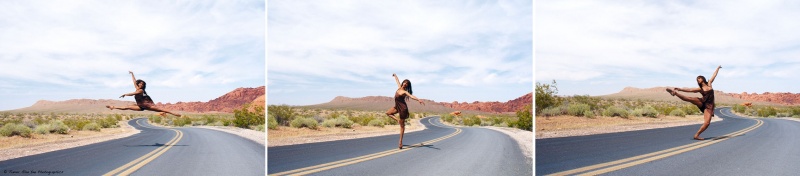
400, 147
110, 107
671, 92
698, 138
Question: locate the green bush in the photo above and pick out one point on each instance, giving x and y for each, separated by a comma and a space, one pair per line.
155, 119
58, 127
282, 113
259, 127
362, 119
447, 118
588, 113
272, 123
472, 121
578, 109
12, 129
244, 118
376, 122
738, 108
42, 129
677, 112
615, 111
546, 96
646, 111
552, 111
525, 120
92, 127
304, 122
338, 122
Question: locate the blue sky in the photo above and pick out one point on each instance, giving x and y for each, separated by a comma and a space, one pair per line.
600, 47
185, 50
450, 50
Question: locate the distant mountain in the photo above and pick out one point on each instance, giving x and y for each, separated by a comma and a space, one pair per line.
660, 94
382, 103
784, 98
225, 103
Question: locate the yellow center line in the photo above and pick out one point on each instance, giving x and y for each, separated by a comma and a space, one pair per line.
341, 163
620, 164
143, 160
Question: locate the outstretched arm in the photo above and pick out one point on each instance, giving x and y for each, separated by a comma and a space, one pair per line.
134, 80
396, 80
138, 91
714, 76
413, 97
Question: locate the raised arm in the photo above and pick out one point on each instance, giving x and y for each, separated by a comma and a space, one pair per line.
413, 97
134, 80
396, 80
714, 76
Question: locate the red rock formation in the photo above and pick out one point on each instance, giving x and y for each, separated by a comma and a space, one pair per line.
509, 106
225, 103
784, 98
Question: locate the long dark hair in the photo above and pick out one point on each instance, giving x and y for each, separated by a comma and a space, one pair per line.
704, 81
144, 85
408, 88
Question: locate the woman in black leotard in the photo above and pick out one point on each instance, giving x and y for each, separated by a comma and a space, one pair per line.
704, 103
143, 101
403, 92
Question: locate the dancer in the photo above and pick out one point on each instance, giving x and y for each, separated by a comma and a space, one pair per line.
403, 92
143, 101
704, 103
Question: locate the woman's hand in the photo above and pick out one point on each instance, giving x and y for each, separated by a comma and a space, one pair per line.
394, 75
420, 102
122, 96
130, 72
720, 66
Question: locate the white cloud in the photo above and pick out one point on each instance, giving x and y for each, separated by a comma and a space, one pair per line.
472, 44
585, 41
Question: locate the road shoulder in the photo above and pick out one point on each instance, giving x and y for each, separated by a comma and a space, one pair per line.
68, 141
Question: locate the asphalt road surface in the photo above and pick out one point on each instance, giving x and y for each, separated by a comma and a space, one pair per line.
154, 151
444, 151
737, 146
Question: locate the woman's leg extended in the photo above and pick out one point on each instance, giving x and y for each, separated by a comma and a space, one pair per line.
391, 112
706, 122
402, 123
132, 107
694, 100
161, 110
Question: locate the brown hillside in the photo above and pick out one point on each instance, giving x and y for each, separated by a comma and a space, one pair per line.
73, 106
660, 94
225, 103
784, 98
382, 103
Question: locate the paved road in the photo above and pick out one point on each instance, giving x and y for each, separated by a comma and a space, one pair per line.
154, 151
466, 151
769, 148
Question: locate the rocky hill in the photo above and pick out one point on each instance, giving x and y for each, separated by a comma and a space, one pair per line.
382, 103
784, 98
225, 103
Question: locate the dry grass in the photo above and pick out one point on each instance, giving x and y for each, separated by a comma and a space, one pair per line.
15, 146
290, 136
563, 126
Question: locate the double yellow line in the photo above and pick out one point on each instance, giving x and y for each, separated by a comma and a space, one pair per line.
138, 163
611, 166
335, 164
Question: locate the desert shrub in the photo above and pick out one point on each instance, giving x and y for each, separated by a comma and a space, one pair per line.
259, 127
198, 123
551, 111
304, 122
217, 123
92, 127
155, 119
766, 111
76, 123
42, 129
472, 120
677, 112
646, 111
58, 127
376, 122
362, 119
615, 111
578, 109
244, 117
338, 122
592, 102
546, 96
282, 113
738, 108
588, 113
12, 129
181, 122
108, 122
525, 120
272, 123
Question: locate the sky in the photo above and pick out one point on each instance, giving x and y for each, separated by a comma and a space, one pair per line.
600, 47
450, 50
184, 50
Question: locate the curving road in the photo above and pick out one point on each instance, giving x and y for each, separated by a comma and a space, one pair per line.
153, 151
444, 151
738, 146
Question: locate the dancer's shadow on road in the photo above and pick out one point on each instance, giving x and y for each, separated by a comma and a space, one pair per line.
420, 146
154, 145
724, 137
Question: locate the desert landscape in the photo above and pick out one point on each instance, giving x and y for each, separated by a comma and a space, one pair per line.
53, 125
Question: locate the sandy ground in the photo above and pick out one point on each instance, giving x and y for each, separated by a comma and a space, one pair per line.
257, 136
524, 138
16, 147
291, 136
564, 126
